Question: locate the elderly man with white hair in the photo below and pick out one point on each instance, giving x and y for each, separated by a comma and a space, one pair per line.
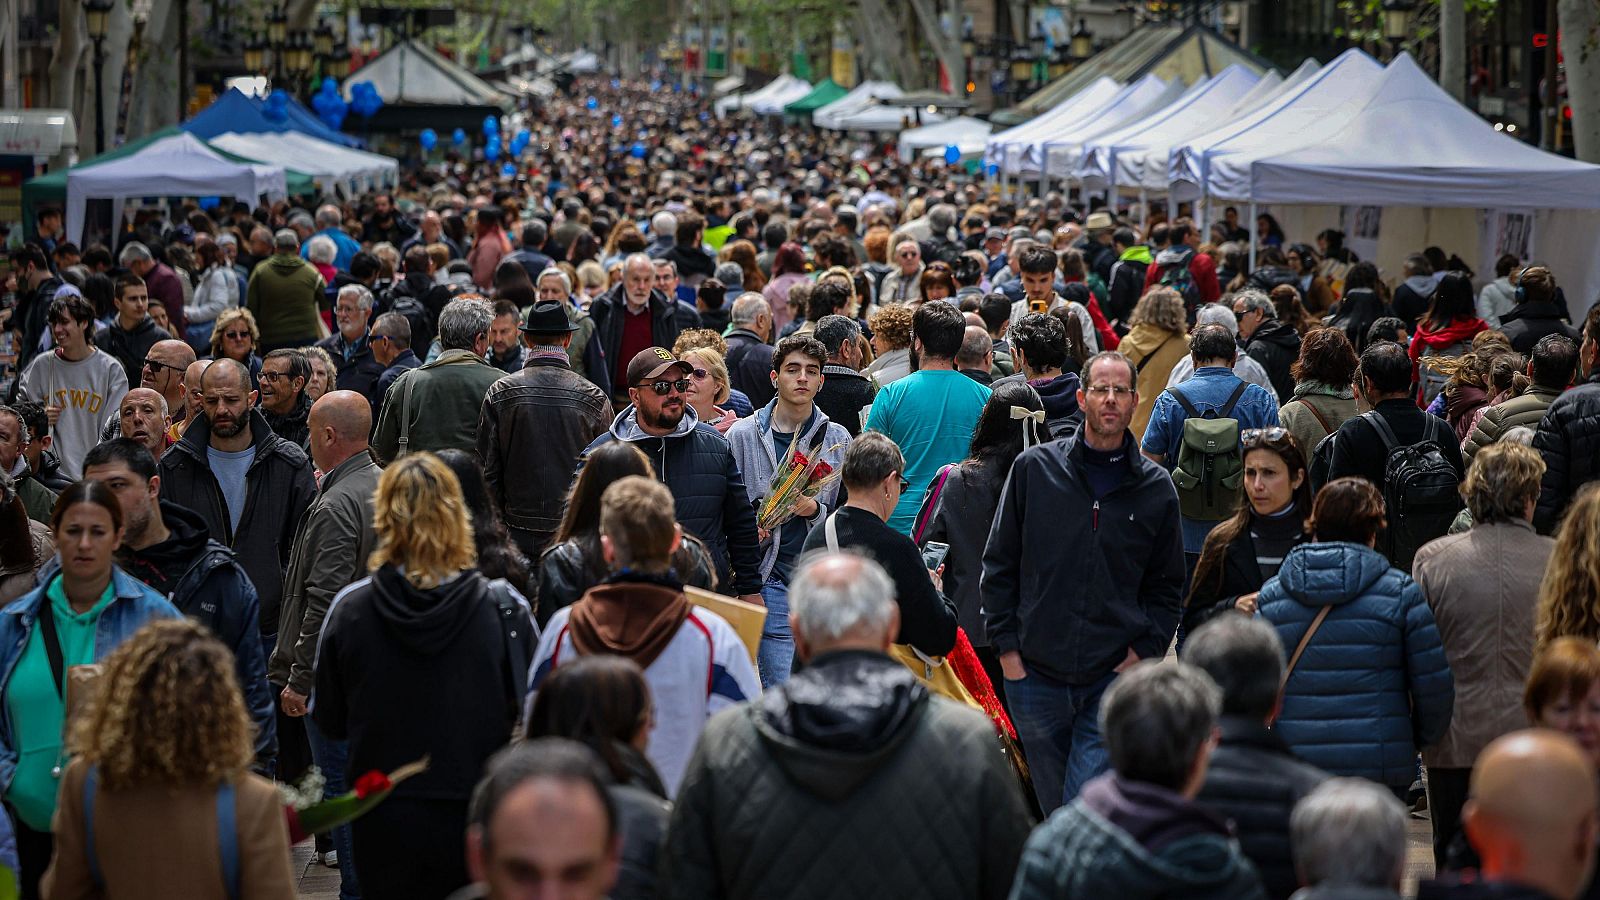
850, 779
328, 222
904, 283
749, 356
583, 354
635, 316
663, 234
1243, 366
1349, 838
430, 230
350, 346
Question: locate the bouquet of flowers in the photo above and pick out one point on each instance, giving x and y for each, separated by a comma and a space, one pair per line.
308, 813
796, 477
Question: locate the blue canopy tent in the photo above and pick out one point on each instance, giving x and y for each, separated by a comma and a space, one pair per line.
234, 111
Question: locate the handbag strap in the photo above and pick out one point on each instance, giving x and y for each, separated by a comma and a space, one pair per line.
931, 504
227, 832
1138, 368
830, 531
405, 416
1326, 428
52, 645
1304, 640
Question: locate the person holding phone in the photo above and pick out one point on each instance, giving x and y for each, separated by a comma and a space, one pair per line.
874, 479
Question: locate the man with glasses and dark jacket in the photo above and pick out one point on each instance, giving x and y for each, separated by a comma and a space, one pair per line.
695, 462
1064, 632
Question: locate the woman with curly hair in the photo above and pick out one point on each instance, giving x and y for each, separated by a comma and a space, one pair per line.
168, 740
704, 340
427, 657
323, 372
236, 337
891, 342
1569, 596
83, 608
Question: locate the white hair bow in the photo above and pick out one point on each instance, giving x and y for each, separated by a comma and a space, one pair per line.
1031, 420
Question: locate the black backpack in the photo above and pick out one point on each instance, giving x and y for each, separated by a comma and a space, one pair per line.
1421, 490
1176, 275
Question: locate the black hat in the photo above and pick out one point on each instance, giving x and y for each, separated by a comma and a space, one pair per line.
547, 318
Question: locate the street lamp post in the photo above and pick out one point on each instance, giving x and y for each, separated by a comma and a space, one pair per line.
277, 37
1082, 46
97, 20
1397, 23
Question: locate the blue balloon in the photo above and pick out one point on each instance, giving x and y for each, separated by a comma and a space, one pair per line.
429, 139
992, 169
509, 170
952, 154
459, 137
615, 84
616, 120
638, 150
491, 150
592, 103
655, 84
491, 125
523, 136
210, 202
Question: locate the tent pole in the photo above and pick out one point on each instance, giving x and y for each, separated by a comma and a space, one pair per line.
1144, 208
1252, 228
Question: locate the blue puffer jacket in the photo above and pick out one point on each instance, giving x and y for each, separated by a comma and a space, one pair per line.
136, 604
696, 463
1373, 684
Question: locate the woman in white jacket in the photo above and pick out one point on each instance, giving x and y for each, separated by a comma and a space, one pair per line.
1499, 295
218, 290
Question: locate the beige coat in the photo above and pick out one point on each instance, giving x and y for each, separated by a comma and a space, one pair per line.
1483, 587
1141, 341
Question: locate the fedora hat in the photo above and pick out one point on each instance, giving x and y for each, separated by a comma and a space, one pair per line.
549, 317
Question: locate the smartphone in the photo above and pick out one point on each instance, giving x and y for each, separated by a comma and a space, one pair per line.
1039, 306
933, 554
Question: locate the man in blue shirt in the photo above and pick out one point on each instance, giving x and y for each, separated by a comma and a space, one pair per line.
329, 221
931, 413
1212, 348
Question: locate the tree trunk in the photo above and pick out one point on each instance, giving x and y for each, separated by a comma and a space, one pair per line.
1453, 48
888, 58
946, 47
64, 62
1580, 47
119, 31
154, 96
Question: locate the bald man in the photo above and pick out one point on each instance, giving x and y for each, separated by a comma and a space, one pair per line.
1532, 819
330, 553
165, 366
193, 400
142, 416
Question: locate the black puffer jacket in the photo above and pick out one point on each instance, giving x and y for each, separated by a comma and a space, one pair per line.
1276, 346
1255, 781
359, 371
129, 347
278, 488
1529, 321
697, 465
1569, 440
848, 781
749, 362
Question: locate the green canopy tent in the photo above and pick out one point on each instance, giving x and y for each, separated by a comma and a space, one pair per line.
824, 93
51, 189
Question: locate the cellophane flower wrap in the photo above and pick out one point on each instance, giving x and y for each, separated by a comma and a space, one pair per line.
309, 814
797, 476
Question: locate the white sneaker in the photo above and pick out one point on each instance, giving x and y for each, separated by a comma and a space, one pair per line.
329, 859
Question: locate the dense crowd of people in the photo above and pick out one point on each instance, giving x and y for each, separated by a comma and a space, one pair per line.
1088, 561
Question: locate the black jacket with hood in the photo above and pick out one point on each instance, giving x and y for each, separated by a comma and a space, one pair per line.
204, 580
1531, 320
1568, 438
749, 363
1073, 583
668, 319
130, 347
278, 488
1276, 346
404, 673
847, 781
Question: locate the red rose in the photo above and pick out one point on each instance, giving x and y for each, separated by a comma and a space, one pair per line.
800, 461
371, 783
823, 470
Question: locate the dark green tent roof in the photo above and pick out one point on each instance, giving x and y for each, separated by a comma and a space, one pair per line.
824, 93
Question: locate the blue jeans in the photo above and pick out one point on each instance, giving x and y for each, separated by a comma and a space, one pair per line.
1059, 725
333, 758
775, 657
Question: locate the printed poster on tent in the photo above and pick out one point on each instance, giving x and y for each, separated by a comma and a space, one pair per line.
1361, 226
1512, 232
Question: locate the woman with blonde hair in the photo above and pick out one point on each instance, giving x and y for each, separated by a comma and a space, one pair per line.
323, 372
168, 740
592, 282
424, 658
1157, 340
236, 337
708, 388
1569, 596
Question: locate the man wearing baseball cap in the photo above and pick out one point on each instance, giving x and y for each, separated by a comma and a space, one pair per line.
534, 424
695, 462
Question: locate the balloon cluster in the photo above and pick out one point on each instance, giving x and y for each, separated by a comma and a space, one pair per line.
364, 99
276, 107
329, 106
519, 142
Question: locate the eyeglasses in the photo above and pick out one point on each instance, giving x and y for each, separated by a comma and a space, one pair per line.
236, 335
905, 484
1103, 391
1255, 437
905, 255
274, 377
663, 388
155, 366
700, 374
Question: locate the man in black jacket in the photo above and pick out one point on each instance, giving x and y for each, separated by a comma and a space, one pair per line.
533, 426
1384, 382
1536, 312
1273, 344
284, 401
626, 304
694, 263
1063, 632
168, 548
1254, 779
749, 358
349, 347
694, 462
1569, 435
246, 484
131, 332
845, 391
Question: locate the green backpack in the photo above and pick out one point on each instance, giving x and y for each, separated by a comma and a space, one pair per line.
1210, 468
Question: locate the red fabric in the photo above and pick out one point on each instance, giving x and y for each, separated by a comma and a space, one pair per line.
1201, 268
968, 669
1456, 332
637, 335
1109, 339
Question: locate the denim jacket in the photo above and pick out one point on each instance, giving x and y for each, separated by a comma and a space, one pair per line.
135, 605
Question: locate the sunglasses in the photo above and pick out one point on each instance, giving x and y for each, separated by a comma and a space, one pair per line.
663, 388
155, 367
236, 335
1255, 437
700, 374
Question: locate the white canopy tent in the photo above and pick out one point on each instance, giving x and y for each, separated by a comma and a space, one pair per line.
177, 166
329, 165
969, 135
887, 117
785, 88
1101, 164
724, 86
1058, 153
859, 98
584, 62
1005, 149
